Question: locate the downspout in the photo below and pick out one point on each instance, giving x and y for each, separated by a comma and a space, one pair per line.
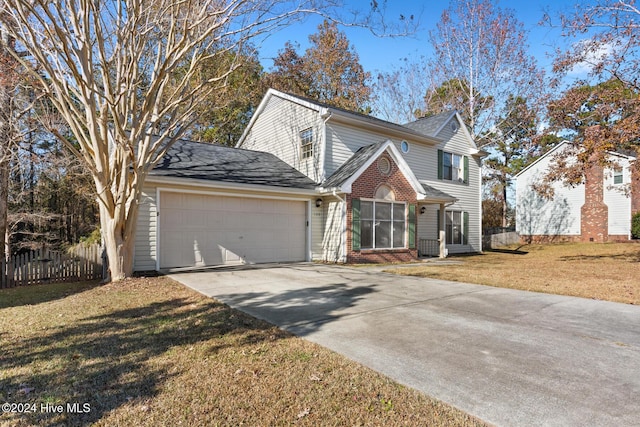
343, 240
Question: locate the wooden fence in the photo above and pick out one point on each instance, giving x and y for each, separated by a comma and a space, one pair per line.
45, 266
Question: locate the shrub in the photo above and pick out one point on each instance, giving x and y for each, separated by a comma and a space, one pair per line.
635, 226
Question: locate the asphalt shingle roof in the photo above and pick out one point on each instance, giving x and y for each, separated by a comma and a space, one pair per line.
351, 166
430, 125
433, 194
189, 159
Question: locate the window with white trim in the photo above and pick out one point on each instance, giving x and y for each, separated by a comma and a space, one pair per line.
618, 177
453, 167
306, 143
455, 227
383, 224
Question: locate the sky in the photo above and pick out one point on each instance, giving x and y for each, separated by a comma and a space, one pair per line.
384, 53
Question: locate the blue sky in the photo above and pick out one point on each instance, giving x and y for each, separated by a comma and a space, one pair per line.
381, 54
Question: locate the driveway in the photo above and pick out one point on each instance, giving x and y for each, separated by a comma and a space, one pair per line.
511, 358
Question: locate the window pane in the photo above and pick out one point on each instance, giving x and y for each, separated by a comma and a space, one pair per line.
456, 234
383, 234
446, 166
456, 172
366, 234
383, 211
398, 212
398, 234
366, 210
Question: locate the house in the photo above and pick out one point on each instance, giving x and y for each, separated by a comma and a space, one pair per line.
307, 181
598, 210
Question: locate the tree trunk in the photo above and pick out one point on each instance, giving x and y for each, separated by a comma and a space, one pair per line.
119, 241
505, 206
4, 199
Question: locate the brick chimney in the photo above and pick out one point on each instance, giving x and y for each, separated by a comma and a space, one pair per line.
594, 226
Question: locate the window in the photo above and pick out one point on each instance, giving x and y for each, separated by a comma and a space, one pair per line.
618, 177
382, 225
404, 146
453, 167
456, 227
306, 143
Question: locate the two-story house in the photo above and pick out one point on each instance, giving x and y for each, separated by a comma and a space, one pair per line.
597, 210
308, 181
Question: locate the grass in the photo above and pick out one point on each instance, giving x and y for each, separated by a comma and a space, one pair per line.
607, 271
149, 352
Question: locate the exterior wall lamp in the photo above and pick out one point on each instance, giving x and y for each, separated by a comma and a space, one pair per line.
318, 203
423, 210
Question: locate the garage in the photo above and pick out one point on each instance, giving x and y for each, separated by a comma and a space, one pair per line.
202, 230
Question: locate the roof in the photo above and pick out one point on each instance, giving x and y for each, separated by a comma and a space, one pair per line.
351, 166
196, 160
340, 114
433, 194
431, 125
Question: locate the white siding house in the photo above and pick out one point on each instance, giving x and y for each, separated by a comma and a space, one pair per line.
569, 215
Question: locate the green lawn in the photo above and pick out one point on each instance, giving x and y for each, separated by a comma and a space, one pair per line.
149, 352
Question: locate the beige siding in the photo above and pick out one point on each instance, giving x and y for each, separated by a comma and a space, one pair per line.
146, 232
333, 235
317, 231
423, 161
277, 131
343, 141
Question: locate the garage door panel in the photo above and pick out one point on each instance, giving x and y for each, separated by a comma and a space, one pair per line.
198, 230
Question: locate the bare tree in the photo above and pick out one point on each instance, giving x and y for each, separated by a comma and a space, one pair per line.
481, 53
124, 76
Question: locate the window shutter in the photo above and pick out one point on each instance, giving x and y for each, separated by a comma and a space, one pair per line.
440, 161
412, 226
466, 169
465, 227
355, 224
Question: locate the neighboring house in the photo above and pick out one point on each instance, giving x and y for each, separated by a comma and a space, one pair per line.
312, 182
598, 210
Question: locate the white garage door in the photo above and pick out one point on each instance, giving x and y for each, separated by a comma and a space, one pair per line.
201, 230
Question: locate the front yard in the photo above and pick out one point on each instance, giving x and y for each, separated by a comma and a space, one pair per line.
149, 352
605, 271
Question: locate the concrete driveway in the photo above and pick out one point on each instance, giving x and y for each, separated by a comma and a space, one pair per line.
511, 358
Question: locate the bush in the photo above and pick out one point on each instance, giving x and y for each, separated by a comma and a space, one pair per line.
635, 226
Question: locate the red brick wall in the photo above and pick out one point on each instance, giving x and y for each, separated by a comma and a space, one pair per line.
594, 226
365, 187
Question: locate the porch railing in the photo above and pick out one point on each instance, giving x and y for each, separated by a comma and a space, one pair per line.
429, 247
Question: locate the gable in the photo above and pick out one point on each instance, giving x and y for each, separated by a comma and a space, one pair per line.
344, 178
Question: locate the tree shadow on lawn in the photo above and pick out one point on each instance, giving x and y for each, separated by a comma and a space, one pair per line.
36, 294
110, 360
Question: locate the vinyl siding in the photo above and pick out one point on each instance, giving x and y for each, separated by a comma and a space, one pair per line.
333, 234
146, 232
616, 197
277, 131
317, 230
423, 160
536, 215
343, 141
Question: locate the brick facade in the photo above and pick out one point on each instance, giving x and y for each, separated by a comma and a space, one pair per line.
594, 224
365, 187
635, 189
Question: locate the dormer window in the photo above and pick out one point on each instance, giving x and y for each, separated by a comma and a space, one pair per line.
306, 143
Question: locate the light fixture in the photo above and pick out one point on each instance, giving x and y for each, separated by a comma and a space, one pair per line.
423, 210
318, 203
